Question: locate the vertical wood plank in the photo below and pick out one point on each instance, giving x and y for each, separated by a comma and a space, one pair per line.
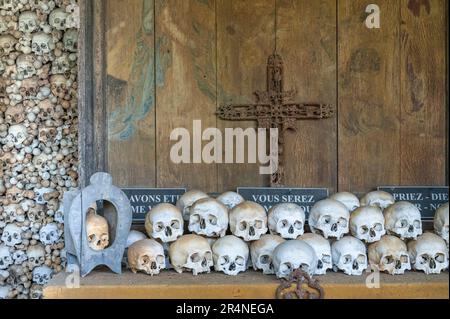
423, 92
131, 92
185, 85
306, 39
369, 97
245, 39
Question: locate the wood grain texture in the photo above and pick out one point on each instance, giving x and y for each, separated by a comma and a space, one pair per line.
131, 92
186, 60
306, 39
423, 92
245, 39
369, 97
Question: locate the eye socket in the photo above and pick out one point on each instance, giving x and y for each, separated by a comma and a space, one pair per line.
388, 260
258, 224
145, 259
364, 229
423, 259
417, 224
264, 259
195, 257
91, 238
286, 268
361, 259
223, 260
342, 222
378, 227
195, 218
403, 223
212, 219
243, 225
326, 219
347, 259
298, 225
175, 224
239, 261
284, 223
440, 257
159, 227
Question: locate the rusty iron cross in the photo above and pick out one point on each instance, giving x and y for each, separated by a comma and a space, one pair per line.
275, 108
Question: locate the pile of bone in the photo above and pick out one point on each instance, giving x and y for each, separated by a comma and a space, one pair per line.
347, 234
38, 139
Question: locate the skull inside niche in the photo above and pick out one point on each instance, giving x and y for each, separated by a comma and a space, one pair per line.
403, 219
17, 134
49, 234
248, 220
164, 222
6, 259
192, 253
25, 66
230, 199
12, 235
97, 231
188, 199
349, 255
329, 218
57, 19
381, 199
428, 253
230, 255
19, 257
59, 85
367, 223
42, 275
441, 222
291, 255
348, 199
70, 40
390, 254
28, 22
146, 255
134, 236
36, 256
208, 217
322, 248
42, 43
286, 220
261, 252
7, 44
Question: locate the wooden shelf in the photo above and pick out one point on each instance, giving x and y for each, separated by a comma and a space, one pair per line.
252, 285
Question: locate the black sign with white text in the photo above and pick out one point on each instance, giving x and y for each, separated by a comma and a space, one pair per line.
268, 197
143, 199
426, 198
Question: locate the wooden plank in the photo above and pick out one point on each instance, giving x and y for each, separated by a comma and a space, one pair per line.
131, 92
245, 39
369, 97
306, 39
186, 85
423, 92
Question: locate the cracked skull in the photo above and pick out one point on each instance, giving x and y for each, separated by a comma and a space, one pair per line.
192, 253
146, 255
261, 252
12, 235
428, 253
187, 200
348, 199
286, 220
97, 231
164, 222
367, 223
329, 218
49, 234
291, 255
322, 248
403, 219
381, 199
248, 220
230, 255
390, 254
441, 222
230, 199
349, 255
208, 217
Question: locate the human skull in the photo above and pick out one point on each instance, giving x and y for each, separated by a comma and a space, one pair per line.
208, 217
6, 259
47, 134
286, 220
381, 199
403, 219
261, 251
230, 199
7, 44
29, 89
57, 19
188, 199
428, 253
17, 134
59, 85
230, 255
15, 195
134, 236
25, 66
191, 252
97, 231
329, 218
441, 221
164, 222
349, 255
322, 248
146, 255
42, 275
40, 195
28, 22
42, 43
12, 235
19, 257
348, 199
367, 223
70, 40
291, 255
36, 291
49, 234
390, 254
36, 256
61, 64
248, 220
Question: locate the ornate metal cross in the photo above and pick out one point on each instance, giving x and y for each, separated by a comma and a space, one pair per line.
275, 108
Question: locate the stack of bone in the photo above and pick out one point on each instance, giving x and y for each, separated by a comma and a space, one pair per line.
38, 139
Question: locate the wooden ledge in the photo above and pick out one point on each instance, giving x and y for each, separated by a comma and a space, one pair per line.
251, 285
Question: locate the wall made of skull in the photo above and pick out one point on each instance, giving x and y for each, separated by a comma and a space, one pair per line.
38, 139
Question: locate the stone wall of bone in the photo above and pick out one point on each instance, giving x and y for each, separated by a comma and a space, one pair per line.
38, 139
